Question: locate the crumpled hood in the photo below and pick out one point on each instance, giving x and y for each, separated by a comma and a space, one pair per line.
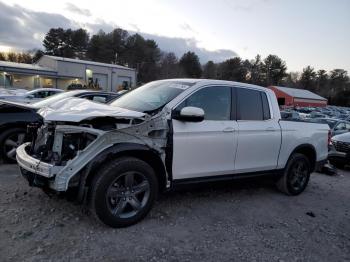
77, 109
342, 137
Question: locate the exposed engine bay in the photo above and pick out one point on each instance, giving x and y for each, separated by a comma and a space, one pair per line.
67, 147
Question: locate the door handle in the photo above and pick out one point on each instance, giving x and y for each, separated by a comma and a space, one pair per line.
228, 130
270, 129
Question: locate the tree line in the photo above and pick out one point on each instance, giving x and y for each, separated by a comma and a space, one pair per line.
133, 50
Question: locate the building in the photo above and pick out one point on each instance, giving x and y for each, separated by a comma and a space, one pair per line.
290, 97
59, 72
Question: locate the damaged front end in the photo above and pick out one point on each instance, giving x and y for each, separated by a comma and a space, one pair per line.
61, 150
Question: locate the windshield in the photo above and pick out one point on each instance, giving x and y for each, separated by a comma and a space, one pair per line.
151, 97
53, 99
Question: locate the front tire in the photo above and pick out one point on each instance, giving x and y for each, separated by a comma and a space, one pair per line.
296, 175
9, 141
123, 192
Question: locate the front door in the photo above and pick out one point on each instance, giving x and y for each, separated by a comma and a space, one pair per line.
205, 148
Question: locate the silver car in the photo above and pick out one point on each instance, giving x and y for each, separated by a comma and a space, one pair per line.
339, 154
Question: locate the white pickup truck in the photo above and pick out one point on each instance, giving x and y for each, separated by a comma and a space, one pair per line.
118, 157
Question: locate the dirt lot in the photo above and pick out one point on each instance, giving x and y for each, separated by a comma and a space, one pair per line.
242, 221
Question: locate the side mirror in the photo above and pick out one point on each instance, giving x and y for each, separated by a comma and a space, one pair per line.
189, 114
30, 96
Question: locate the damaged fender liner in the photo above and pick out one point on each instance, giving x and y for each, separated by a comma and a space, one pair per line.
151, 135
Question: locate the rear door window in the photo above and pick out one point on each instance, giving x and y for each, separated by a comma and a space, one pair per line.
252, 105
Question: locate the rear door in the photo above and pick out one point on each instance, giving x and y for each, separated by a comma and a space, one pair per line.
205, 148
259, 135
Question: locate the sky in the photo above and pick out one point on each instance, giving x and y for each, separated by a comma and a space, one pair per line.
312, 32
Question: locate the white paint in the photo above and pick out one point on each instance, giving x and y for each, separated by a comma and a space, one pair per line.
203, 149
78, 109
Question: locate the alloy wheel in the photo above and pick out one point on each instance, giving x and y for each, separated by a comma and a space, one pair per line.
11, 144
128, 194
299, 175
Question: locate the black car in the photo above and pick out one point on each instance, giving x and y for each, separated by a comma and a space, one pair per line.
14, 118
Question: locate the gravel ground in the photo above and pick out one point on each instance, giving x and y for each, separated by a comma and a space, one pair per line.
237, 221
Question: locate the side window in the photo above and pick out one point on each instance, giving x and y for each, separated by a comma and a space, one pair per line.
214, 100
347, 125
41, 94
266, 107
251, 105
53, 93
99, 99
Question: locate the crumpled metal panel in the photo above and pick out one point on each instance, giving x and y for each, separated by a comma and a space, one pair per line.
152, 133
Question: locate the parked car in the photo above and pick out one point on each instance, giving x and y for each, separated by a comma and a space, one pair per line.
74, 86
337, 126
339, 154
315, 114
12, 91
167, 133
30, 96
290, 115
14, 118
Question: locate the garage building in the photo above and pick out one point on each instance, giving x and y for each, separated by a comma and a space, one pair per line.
291, 97
59, 72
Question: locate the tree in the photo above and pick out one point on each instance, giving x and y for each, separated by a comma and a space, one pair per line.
321, 81
3, 56
100, 49
37, 54
190, 65
292, 79
66, 43
118, 38
274, 70
256, 71
55, 42
210, 70
308, 78
169, 66
233, 69
338, 80
79, 42
12, 57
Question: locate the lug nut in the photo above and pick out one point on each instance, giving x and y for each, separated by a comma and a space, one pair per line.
124, 199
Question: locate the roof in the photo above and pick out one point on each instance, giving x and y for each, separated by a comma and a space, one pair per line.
203, 81
86, 62
299, 93
24, 66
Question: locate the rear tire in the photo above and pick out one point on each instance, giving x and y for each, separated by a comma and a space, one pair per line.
123, 192
296, 175
10, 139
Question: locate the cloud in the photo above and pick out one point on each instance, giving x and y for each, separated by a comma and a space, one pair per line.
75, 9
245, 6
25, 29
20, 27
179, 46
187, 27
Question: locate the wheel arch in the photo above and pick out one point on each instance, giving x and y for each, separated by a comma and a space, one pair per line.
139, 151
307, 150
